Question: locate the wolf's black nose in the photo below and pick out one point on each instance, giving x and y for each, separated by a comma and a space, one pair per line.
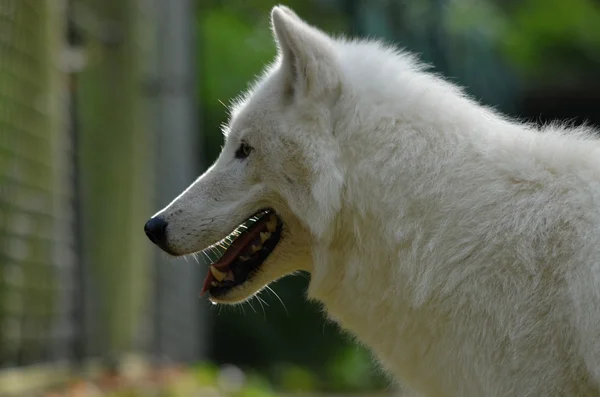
155, 230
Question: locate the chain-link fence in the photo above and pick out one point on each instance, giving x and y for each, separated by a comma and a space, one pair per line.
36, 244
83, 88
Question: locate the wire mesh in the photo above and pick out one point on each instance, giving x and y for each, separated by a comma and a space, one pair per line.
36, 250
85, 86
61, 299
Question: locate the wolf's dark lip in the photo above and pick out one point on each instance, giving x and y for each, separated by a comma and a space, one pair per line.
250, 247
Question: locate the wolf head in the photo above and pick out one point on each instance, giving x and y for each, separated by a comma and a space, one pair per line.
276, 186
311, 136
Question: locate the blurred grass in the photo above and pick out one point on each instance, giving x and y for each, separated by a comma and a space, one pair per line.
199, 380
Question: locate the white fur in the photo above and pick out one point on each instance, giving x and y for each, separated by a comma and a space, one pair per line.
462, 247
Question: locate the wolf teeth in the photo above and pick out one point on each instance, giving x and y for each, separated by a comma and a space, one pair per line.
214, 283
264, 236
272, 224
244, 258
219, 275
256, 248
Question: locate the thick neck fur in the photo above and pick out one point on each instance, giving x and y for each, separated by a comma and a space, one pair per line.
446, 209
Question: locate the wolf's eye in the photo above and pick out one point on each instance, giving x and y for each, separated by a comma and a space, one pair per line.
243, 151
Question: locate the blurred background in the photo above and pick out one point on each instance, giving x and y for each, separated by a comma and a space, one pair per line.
110, 108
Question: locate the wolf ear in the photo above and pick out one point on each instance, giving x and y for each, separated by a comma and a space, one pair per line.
307, 55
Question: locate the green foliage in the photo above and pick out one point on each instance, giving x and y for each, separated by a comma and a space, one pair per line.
232, 52
352, 370
554, 35
234, 46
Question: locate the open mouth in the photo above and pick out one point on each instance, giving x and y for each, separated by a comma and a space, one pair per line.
248, 246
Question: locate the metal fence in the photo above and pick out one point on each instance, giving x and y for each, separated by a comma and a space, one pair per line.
36, 244
86, 89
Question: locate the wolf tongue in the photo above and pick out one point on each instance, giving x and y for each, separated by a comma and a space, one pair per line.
238, 245
242, 243
233, 251
207, 283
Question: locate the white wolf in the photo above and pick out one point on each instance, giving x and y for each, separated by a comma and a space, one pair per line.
462, 247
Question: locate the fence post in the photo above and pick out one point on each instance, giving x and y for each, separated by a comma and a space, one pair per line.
116, 168
180, 325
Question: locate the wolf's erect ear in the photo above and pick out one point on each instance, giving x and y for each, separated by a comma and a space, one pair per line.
307, 55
